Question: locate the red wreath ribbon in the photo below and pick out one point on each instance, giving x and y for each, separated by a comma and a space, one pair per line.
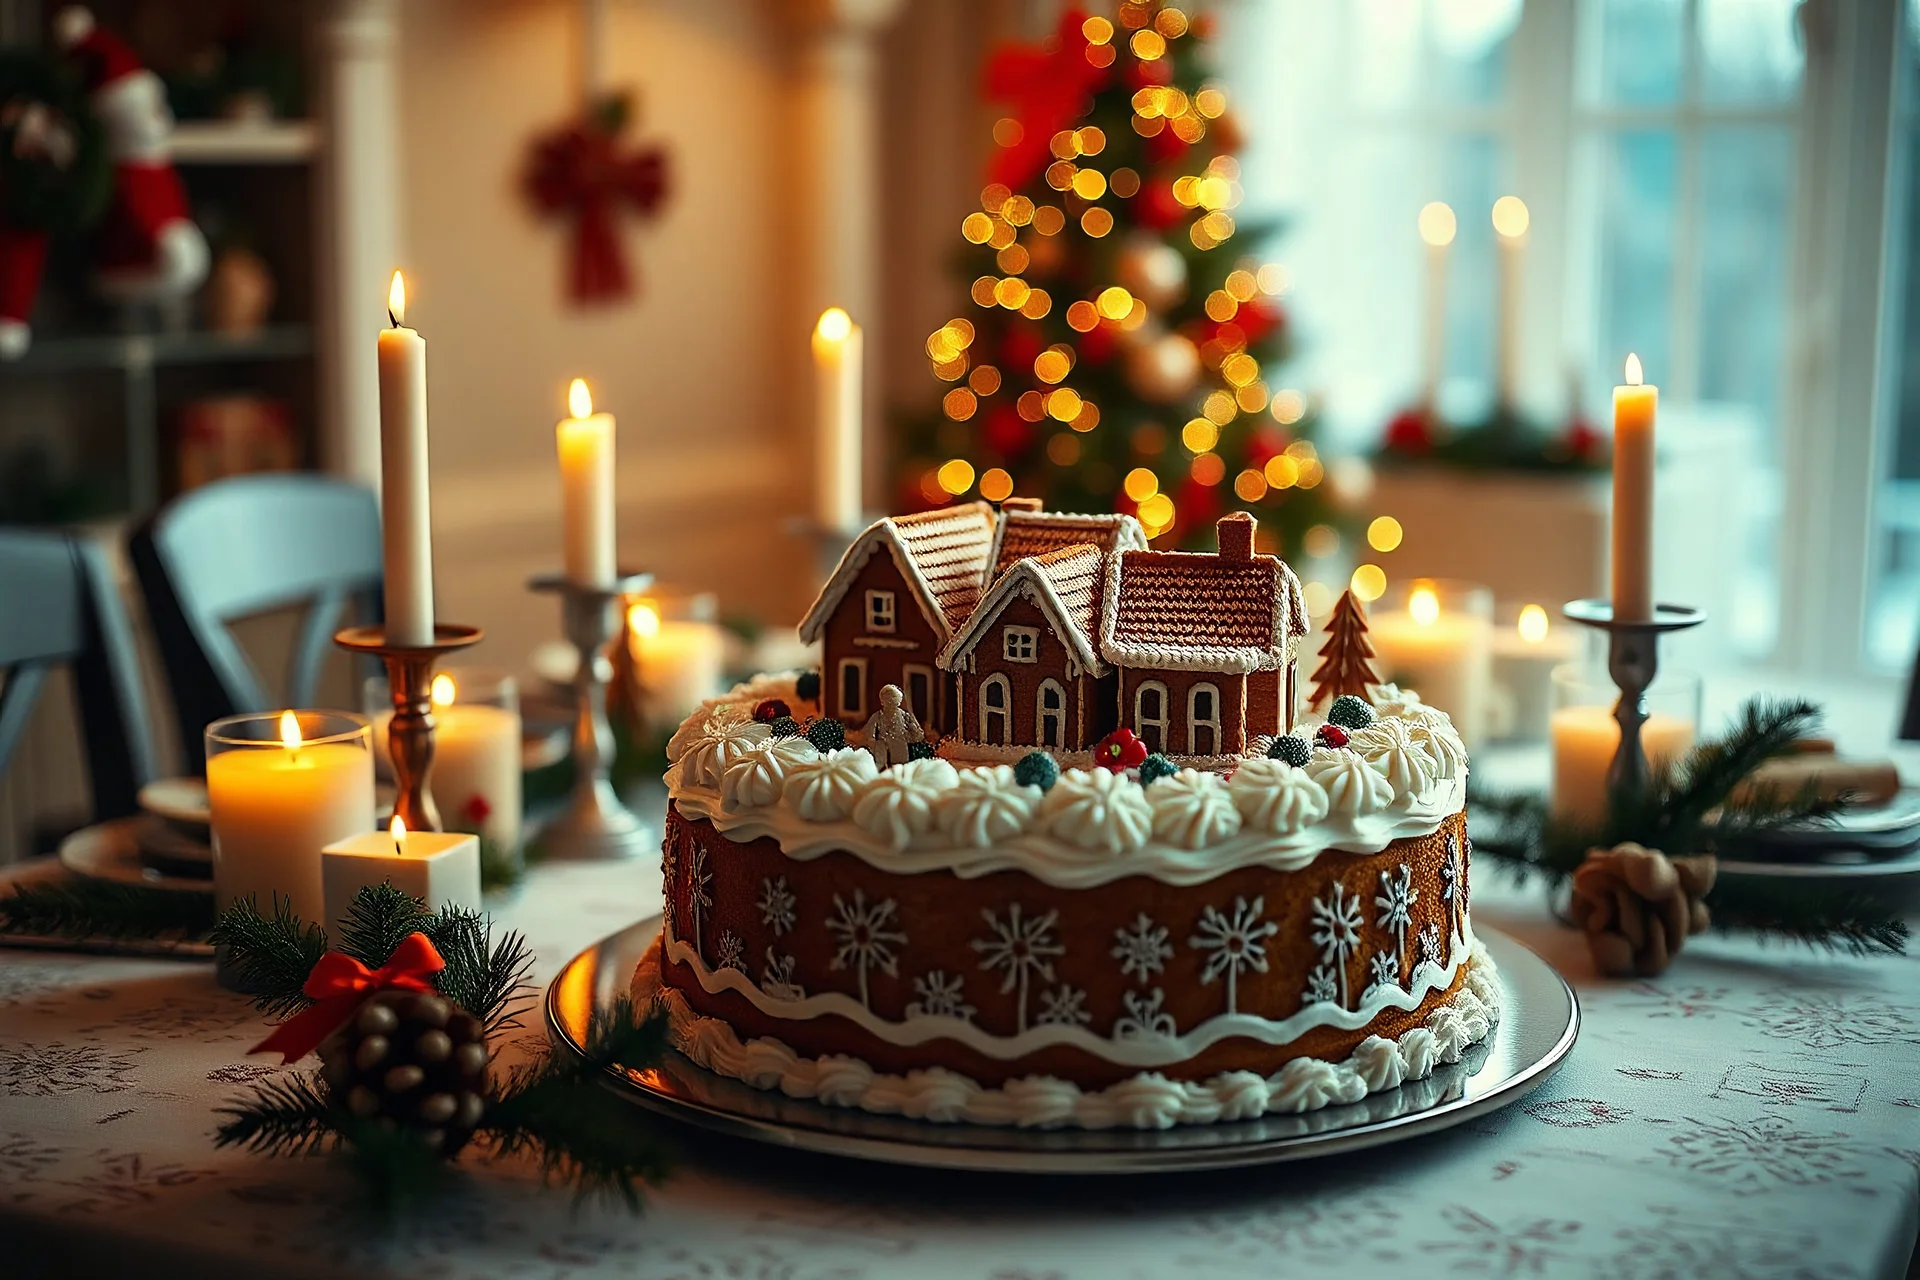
579, 169
341, 985
1048, 85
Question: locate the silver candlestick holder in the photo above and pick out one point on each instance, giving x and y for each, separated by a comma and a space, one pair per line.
1633, 660
596, 824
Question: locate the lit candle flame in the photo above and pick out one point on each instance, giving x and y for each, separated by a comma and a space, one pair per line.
579, 399
443, 691
289, 730
1635, 374
1437, 224
397, 301
1510, 217
1533, 624
643, 619
399, 832
834, 325
1424, 606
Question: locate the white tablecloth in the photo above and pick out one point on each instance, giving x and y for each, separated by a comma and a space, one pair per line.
1755, 1113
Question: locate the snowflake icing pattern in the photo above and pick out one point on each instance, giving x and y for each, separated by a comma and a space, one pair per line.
1336, 930
1431, 947
1141, 948
1144, 1018
865, 941
941, 996
776, 905
732, 952
698, 898
776, 980
1383, 970
1395, 900
1024, 948
1063, 1007
1236, 942
1323, 985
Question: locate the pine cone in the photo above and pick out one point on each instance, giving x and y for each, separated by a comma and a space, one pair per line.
414, 1061
1638, 906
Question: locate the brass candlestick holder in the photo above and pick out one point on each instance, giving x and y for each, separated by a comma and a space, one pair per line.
596, 825
410, 732
1633, 660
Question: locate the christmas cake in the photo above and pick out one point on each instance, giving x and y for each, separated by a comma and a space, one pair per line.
1044, 843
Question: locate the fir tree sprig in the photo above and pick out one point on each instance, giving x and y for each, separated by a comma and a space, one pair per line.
270, 956
486, 978
286, 1116
379, 919
80, 909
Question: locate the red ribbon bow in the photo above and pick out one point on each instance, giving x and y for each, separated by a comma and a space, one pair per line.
1049, 85
341, 985
579, 169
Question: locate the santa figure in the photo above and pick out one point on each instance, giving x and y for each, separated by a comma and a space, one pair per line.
148, 249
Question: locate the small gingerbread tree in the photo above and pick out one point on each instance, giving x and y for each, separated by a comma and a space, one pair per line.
1346, 660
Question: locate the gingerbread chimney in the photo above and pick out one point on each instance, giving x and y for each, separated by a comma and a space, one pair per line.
1235, 531
1020, 504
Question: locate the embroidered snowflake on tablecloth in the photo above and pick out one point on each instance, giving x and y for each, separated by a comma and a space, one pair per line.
1144, 1018
776, 905
941, 996
1024, 948
1395, 900
731, 952
865, 941
1383, 970
1236, 941
698, 899
1766, 1154
776, 980
57, 1070
1336, 930
1063, 1007
1141, 948
1431, 947
1323, 985
1517, 1246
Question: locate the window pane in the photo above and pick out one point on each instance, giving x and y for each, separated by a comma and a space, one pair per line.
1635, 294
1749, 51
1893, 596
1439, 53
1632, 51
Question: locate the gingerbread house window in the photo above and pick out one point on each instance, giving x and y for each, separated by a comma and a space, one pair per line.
996, 720
1203, 720
919, 690
1020, 644
880, 611
1050, 713
853, 686
1150, 714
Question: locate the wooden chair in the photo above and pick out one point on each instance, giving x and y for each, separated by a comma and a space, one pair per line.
246, 546
61, 608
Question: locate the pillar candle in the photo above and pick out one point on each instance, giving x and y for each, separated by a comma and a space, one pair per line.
405, 519
837, 355
441, 868
1437, 226
1584, 740
1510, 221
1524, 657
275, 808
586, 489
1634, 407
1444, 656
476, 776
678, 663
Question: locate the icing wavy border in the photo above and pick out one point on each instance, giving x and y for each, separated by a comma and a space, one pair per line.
1145, 1101
1144, 1051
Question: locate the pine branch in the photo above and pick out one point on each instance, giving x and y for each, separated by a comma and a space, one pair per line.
1847, 920
271, 958
285, 1116
102, 909
486, 978
1714, 770
377, 921
398, 1171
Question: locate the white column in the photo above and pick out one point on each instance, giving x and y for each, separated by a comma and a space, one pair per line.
357, 227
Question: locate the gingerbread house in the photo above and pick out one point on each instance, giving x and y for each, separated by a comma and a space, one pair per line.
1205, 645
894, 601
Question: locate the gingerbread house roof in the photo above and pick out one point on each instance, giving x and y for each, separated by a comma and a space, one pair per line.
1230, 611
1027, 531
943, 554
1066, 583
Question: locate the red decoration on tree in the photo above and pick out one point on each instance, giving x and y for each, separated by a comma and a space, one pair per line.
579, 170
476, 810
1119, 750
1410, 432
340, 985
1048, 86
1346, 663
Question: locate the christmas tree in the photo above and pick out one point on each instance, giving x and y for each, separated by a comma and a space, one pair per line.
1123, 345
1346, 660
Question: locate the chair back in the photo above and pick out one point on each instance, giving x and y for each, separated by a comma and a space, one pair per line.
244, 546
59, 607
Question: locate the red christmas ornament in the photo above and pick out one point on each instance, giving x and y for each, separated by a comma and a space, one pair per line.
1199, 504
1410, 432
1266, 443
1140, 73
1020, 348
1164, 147
1005, 432
1330, 735
767, 710
1155, 208
1582, 441
1097, 345
1048, 85
579, 170
1119, 750
1258, 318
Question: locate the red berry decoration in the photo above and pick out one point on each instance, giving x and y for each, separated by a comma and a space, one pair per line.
476, 810
1119, 750
1330, 735
770, 709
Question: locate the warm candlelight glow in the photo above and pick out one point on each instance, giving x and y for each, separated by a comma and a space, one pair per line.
1369, 582
1635, 374
1423, 605
399, 830
443, 691
289, 730
1533, 624
1510, 217
643, 619
397, 301
1437, 224
834, 325
579, 399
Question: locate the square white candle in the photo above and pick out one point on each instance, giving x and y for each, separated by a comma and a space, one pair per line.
440, 868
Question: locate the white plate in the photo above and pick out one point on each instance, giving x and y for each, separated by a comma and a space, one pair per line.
1539, 1018
181, 800
111, 851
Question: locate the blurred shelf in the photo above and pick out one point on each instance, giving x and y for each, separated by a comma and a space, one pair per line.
134, 351
245, 142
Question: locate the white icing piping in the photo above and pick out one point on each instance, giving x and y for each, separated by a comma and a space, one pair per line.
1145, 1051
1145, 1101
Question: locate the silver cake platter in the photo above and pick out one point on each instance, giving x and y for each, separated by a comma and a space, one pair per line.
1539, 1018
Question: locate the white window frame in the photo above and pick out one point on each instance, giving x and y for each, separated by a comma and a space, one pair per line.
882, 612
1020, 644
1041, 714
1195, 723
1005, 711
1141, 723
907, 672
840, 686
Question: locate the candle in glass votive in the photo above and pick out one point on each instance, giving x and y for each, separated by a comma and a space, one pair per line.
1584, 740
476, 782
1524, 656
586, 489
678, 662
441, 868
1438, 645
